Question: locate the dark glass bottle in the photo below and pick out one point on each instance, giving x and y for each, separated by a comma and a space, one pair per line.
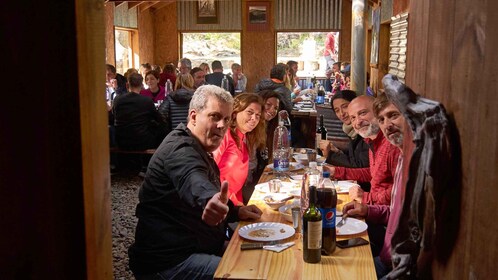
312, 230
327, 202
321, 134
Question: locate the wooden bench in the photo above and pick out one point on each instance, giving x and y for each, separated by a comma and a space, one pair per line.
117, 150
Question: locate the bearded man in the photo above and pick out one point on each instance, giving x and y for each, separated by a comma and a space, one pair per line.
383, 156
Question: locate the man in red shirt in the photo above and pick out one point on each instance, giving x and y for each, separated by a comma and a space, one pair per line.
392, 124
383, 156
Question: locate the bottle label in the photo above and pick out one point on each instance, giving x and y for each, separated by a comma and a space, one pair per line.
318, 137
328, 217
314, 235
281, 164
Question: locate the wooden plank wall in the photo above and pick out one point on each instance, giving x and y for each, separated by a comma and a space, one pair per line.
345, 36
94, 140
110, 50
166, 47
452, 59
147, 39
54, 181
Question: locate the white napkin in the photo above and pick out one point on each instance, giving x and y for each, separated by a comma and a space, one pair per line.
279, 247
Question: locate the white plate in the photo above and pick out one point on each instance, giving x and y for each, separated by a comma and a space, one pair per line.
352, 226
275, 231
344, 186
284, 188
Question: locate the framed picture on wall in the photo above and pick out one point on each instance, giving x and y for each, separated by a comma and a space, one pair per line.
374, 52
207, 11
258, 15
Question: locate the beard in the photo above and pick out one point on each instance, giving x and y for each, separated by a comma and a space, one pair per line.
372, 130
396, 139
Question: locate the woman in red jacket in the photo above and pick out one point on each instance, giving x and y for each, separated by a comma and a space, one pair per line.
247, 132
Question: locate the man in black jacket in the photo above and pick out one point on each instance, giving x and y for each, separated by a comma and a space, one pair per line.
183, 212
216, 77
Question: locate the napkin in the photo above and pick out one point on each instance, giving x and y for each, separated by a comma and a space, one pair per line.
278, 247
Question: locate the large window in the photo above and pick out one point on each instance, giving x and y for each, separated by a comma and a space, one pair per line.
308, 49
206, 47
126, 53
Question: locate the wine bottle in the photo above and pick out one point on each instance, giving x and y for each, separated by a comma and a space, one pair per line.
321, 134
312, 229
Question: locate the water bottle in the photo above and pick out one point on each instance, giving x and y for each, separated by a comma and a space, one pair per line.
310, 178
326, 182
283, 116
224, 83
280, 149
320, 98
169, 86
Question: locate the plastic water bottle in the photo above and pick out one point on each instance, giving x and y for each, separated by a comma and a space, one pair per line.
310, 178
169, 86
283, 116
224, 83
326, 182
280, 149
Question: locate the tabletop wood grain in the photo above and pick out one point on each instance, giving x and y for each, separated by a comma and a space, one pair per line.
351, 263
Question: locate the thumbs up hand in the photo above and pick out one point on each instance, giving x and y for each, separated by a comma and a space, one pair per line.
216, 209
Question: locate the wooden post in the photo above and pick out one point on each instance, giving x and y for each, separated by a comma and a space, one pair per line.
358, 46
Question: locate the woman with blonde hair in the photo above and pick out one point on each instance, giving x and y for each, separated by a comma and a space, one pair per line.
174, 109
205, 67
246, 133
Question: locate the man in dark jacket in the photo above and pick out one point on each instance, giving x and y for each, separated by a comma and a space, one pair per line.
216, 77
183, 211
276, 83
110, 71
136, 118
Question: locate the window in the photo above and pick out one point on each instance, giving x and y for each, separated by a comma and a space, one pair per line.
308, 48
207, 47
126, 43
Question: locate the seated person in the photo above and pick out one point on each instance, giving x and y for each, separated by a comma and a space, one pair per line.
260, 155
239, 79
174, 109
392, 123
216, 77
154, 90
169, 73
383, 156
199, 77
184, 209
357, 153
136, 119
276, 82
246, 133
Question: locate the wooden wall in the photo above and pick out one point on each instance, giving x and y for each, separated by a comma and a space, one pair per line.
147, 40
166, 46
54, 163
452, 59
110, 50
345, 36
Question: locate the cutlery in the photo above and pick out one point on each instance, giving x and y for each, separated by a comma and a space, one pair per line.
343, 221
253, 246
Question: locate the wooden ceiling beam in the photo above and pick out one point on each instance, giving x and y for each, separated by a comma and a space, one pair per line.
147, 5
131, 5
118, 3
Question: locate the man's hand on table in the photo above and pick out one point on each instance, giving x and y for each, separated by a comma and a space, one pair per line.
330, 169
355, 209
216, 209
249, 212
356, 193
326, 146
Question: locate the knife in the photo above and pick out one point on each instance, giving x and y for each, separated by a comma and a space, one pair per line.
253, 246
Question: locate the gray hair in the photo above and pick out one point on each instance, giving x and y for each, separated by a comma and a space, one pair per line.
203, 93
186, 62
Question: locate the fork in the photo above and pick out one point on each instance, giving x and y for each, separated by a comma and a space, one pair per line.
343, 221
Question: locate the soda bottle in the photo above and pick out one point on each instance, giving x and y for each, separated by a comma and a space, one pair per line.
327, 202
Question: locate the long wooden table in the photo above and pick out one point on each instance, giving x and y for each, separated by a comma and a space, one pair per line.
351, 263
